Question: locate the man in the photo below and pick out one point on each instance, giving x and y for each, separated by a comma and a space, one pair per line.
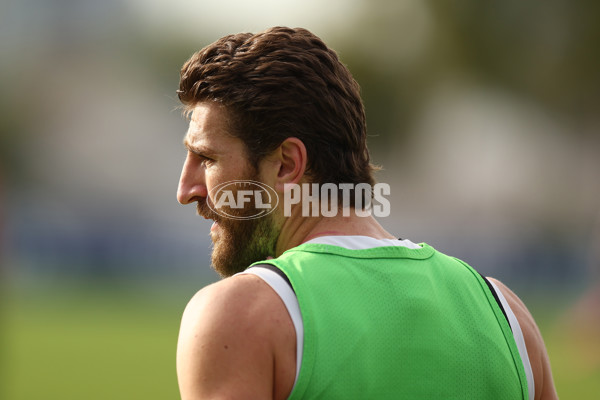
334, 307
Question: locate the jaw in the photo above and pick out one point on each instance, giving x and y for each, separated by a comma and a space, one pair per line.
237, 244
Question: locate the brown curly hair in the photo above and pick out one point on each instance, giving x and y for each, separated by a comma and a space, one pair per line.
284, 83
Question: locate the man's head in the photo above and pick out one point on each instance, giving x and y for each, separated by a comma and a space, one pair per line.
250, 96
284, 83
216, 157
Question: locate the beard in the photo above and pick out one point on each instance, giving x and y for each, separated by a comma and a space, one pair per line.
237, 243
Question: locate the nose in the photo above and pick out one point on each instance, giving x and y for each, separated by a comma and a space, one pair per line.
191, 183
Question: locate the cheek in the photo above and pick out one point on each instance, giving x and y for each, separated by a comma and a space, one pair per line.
211, 184
224, 171
214, 178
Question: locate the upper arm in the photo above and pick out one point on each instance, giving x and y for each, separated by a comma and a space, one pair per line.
536, 350
227, 346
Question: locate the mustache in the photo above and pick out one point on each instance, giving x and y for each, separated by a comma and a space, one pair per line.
204, 210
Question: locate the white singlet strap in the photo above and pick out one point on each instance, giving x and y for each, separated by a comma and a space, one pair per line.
283, 289
518, 335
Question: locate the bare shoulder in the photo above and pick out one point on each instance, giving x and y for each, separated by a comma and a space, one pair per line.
536, 349
234, 299
231, 334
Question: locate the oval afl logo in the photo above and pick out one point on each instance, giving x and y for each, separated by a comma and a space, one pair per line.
243, 199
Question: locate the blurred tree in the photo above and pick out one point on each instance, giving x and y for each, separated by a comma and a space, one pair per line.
544, 51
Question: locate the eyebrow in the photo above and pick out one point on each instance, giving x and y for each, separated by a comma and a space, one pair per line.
199, 150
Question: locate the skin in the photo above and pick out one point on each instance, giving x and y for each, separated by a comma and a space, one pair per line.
536, 349
237, 340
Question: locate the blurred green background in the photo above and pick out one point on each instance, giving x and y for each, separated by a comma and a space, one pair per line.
484, 116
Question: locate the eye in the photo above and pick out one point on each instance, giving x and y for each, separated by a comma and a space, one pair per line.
202, 158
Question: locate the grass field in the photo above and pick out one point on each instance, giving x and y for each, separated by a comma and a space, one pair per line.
91, 342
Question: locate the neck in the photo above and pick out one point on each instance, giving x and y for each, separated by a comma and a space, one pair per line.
297, 229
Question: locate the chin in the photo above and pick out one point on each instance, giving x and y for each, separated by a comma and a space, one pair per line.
238, 244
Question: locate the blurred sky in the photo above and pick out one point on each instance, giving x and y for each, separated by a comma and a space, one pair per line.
184, 17
483, 116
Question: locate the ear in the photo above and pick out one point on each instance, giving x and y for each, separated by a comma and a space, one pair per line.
292, 162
